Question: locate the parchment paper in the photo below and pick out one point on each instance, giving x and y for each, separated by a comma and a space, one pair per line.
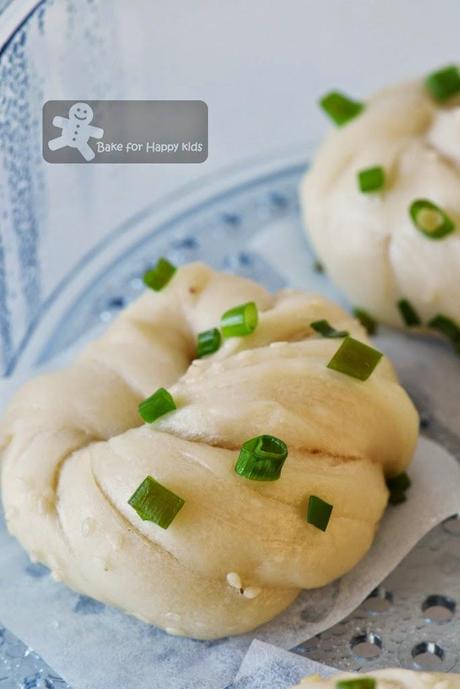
268, 667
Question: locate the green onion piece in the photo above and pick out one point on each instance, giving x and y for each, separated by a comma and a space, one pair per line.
354, 358
340, 108
398, 485
262, 458
371, 179
318, 512
366, 320
397, 498
324, 328
318, 266
158, 277
239, 321
161, 402
447, 327
430, 219
208, 342
443, 83
408, 313
358, 683
155, 503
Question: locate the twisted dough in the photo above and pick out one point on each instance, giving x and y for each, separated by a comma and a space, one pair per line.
75, 449
368, 242
391, 678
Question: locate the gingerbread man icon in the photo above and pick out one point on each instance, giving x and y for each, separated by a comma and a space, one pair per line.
76, 130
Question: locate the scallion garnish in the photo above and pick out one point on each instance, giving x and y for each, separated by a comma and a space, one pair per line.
398, 485
356, 683
444, 83
430, 219
239, 321
447, 327
161, 402
397, 498
208, 342
318, 512
158, 277
318, 266
340, 108
354, 358
408, 313
155, 503
324, 328
371, 179
366, 320
262, 458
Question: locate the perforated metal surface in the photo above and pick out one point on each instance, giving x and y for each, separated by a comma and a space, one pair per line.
411, 620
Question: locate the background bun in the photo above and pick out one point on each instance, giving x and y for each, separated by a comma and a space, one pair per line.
392, 678
368, 242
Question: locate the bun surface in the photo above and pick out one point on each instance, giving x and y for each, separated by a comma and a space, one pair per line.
239, 551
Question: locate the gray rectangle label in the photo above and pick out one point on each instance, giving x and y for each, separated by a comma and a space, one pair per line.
125, 131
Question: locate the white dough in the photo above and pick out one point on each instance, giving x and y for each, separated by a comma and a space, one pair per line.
239, 551
392, 678
367, 241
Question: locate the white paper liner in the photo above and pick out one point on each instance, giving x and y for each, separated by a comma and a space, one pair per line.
268, 667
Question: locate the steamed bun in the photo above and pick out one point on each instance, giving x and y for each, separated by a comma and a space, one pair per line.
239, 551
368, 242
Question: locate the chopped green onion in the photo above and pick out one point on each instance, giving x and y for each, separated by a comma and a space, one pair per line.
318, 512
358, 683
397, 498
155, 503
324, 328
371, 179
447, 327
340, 108
444, 83
161, 402
398, 485
318, 266
366, 320
239, 321
262, 458
158, 277
208, 342
430, 219
354, 358
408, 313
